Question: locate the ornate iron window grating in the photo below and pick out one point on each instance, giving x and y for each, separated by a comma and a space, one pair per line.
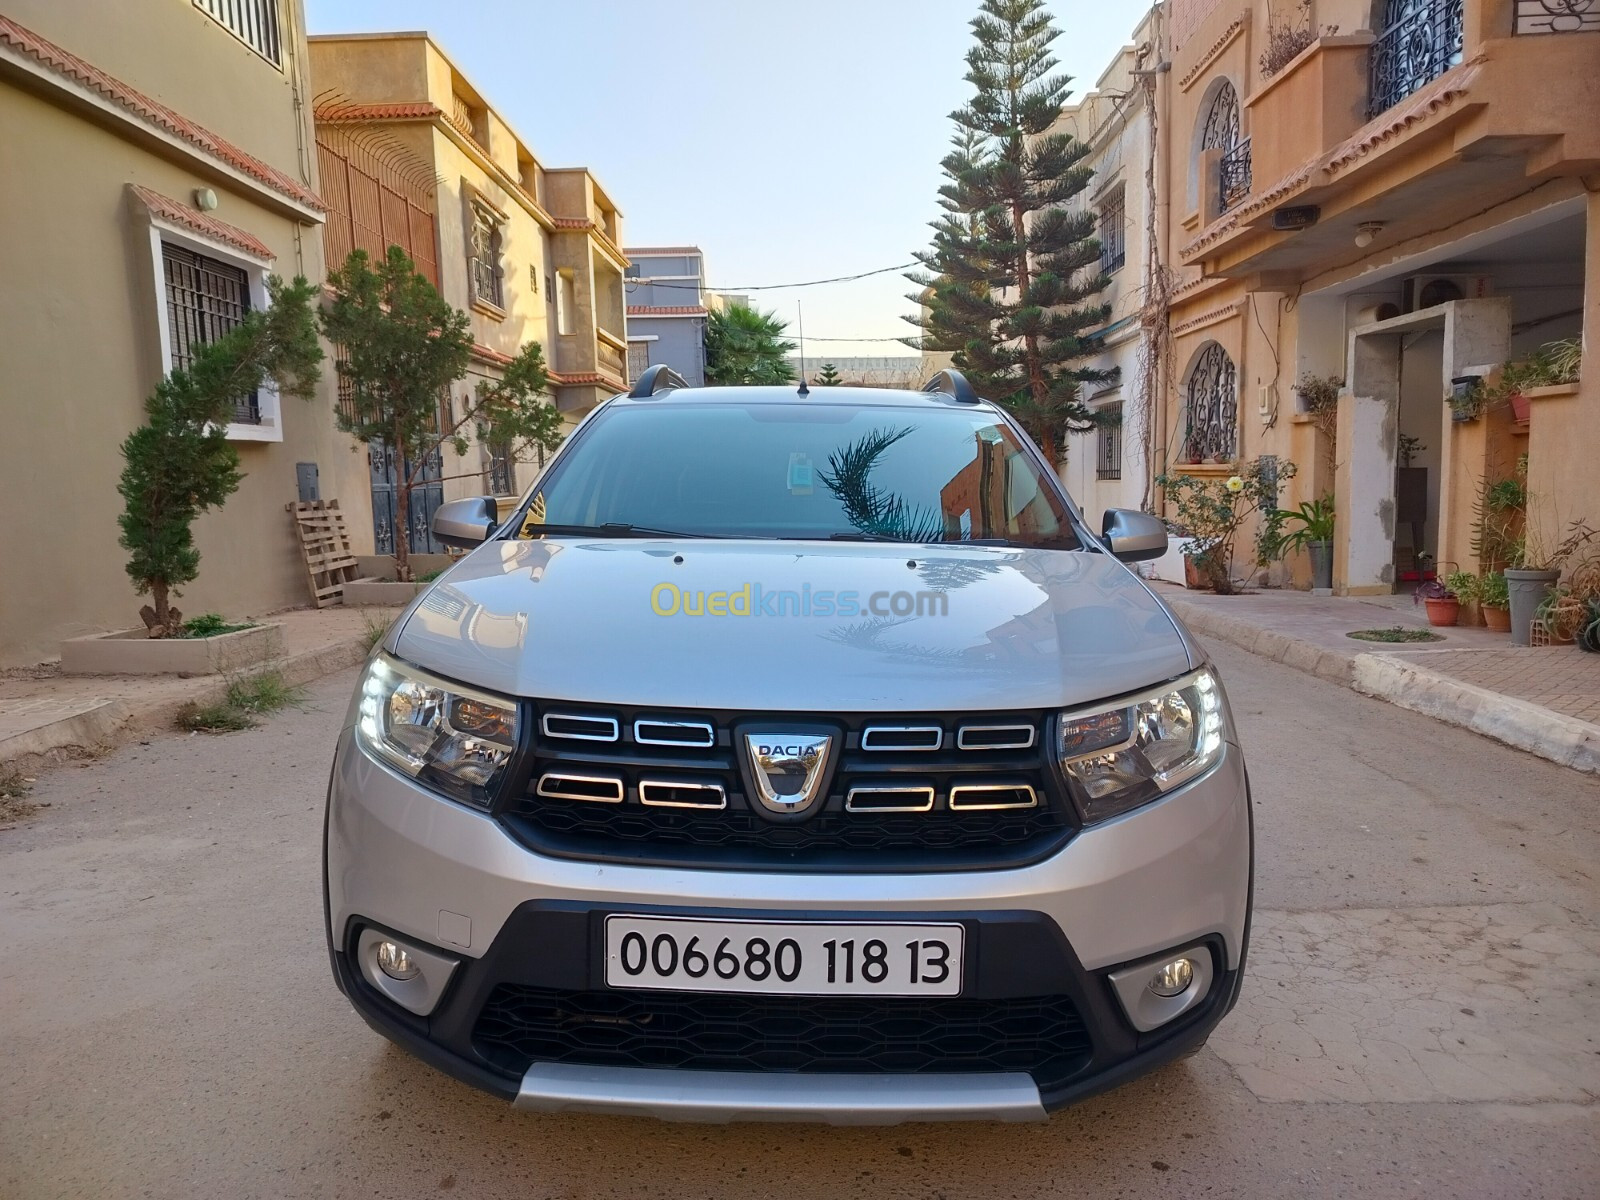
1108, 448
1233, 175
1113, 233
205, 299
497, 469
1557, 16
483, 263
1221, 130
1211, 408
1420, 41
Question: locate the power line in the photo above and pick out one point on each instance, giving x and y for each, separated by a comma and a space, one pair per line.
638, 281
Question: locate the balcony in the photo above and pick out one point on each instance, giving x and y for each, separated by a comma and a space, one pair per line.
1420, 41
1233, 175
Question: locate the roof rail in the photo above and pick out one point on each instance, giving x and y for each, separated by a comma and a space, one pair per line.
659, 378
953, 384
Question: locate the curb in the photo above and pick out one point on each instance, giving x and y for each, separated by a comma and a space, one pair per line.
1268, 643
113, 722
1552, 735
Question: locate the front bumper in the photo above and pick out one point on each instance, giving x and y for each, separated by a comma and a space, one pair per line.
1174, 874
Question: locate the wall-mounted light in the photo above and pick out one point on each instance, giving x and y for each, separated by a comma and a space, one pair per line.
1366, 231
205, 199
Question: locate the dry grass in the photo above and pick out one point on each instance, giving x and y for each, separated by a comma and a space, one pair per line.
14, 802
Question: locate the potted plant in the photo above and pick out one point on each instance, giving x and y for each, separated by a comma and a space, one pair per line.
1444, 598
1534, 570
1214, 510
1466, 397
1494, 601
1310, 527
1553, 363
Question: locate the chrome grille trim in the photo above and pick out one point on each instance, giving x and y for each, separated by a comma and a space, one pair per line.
978, 792
609, 724
923, 804
707, 735
1023, 739
550, 787
890, 733
647, 786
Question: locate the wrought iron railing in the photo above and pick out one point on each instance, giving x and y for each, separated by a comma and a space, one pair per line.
1420, 41
1233, 174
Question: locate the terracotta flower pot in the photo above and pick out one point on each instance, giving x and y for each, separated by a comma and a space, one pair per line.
1519, 408
1444, 610
1497, 619
1193, 577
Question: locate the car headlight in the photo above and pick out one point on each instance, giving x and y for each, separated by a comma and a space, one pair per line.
454, 738
1119, 756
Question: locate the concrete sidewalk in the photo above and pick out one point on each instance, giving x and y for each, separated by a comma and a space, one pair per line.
1545, 700
45, 713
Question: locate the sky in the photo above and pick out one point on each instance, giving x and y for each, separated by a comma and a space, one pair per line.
789, 141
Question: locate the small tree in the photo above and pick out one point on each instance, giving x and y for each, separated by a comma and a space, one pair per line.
829, 376
180, 462
745, 345
404, 345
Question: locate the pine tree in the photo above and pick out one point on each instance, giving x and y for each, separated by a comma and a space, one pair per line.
1011, 275
180, 462
404, 345
745, 345
829, 376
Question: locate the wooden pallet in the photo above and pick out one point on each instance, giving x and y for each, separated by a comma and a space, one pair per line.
330, 563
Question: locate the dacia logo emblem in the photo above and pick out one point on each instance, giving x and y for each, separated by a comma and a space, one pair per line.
788, 769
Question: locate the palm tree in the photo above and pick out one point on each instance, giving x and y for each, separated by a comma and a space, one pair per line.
745, 345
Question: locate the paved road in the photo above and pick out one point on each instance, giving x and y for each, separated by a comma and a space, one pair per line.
1422, 1016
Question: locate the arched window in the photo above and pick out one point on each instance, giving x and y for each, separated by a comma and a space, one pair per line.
1220, 128
1211, 408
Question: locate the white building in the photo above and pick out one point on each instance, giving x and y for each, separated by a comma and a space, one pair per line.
1108, 468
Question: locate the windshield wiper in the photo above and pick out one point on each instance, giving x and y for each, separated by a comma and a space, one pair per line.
872, 537
612, 529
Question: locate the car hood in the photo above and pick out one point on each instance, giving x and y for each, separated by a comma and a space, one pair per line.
577, 620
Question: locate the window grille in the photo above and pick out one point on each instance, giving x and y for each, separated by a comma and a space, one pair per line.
253, 22
497, 469
483, 262
1420, 41
1113, 233
638, 359
1211, 409
1108, 449
205, 299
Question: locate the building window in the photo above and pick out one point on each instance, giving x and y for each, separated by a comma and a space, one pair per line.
205, 299
1420, 41
483, 262
497, 473
1211, 409
638, 359
1113, 233
1108, 443
253, 22
1221, 131
566, 301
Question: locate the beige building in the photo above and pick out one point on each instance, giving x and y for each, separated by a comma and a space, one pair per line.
156, 166
413, 155
1411, 197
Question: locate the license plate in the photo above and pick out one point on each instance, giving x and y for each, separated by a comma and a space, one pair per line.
796, 958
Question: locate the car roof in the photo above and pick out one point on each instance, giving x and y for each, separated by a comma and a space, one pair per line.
850, 397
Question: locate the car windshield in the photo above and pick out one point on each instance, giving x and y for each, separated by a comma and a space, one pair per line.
779, 470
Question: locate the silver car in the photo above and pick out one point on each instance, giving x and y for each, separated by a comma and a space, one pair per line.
791, 755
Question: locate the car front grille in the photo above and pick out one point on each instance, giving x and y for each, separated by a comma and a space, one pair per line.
910, 792
1042, 1035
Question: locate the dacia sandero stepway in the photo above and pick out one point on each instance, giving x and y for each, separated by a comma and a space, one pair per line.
791, 755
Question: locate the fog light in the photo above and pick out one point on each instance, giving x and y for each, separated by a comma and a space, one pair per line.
394, 962
1171, 979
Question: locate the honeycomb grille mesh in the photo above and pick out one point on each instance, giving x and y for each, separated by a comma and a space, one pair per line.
1042, 1035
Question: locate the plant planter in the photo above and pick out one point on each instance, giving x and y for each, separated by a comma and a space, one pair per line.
380, 593
1193, 577
1443, 611
381, 566
133, 652
1528, 591
1497, 619
1520, 408
1321, 566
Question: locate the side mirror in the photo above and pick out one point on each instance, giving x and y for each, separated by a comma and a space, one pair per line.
1130, 535
465, 523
